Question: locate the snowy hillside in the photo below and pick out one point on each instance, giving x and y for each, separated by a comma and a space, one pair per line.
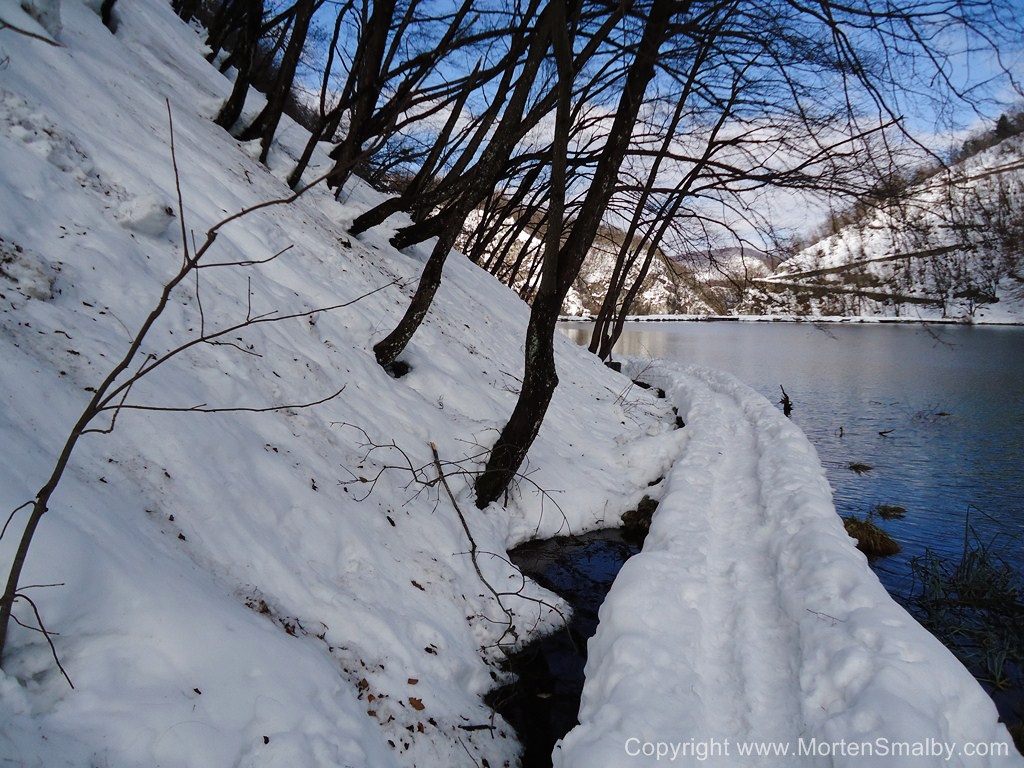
659, 294
687, 284
257, 565
232, 591
693, 283
950, 247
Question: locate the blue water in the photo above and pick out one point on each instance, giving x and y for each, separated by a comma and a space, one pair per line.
949, 400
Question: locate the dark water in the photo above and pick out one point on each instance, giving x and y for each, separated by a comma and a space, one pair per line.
937, 412
544, 703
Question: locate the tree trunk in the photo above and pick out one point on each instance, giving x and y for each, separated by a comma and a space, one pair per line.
539, 382
495, 156
390, 347
265, 125
186, 9
562, 265
246, 57
328, 120
107, 14
540, 377
364, 85
224, 22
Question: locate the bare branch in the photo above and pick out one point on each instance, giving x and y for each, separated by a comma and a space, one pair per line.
246, 262
203, 408
177, 187
45, 632
27, 33
154, 361
110, 395
11, 516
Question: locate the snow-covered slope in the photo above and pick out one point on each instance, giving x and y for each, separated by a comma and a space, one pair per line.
659, 293
291, 587
950, 247
231, 592
688, 284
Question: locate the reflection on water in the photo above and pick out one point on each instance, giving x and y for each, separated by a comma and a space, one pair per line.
937, 411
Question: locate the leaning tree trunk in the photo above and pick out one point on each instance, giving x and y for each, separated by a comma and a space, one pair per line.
492, 161
186, 9
539, 382
562, 265
540, 377
390, 347
328, 120
225, 22
247, 51
265, 125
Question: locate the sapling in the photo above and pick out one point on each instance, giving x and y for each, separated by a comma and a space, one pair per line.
438, 472
109, 397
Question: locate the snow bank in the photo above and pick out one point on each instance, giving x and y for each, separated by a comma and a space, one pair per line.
749, 621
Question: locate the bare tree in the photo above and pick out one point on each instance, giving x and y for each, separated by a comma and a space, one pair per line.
775, 94
400, 72
493, 157
563, 259
245, 54
264, 125
497, 159
436, 181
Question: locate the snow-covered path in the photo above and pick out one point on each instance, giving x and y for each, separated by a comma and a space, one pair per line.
750, 622
734, 585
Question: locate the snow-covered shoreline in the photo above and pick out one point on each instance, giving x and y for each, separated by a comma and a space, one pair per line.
748, 619
851, 319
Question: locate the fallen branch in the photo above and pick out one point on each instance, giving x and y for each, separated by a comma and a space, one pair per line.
473, 549
442, 470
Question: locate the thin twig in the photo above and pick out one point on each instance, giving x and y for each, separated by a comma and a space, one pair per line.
11, 516
270, 317
246, 262
236, 345
203, 408
199, 306
117, 409
46, 633
177, 187
444, 469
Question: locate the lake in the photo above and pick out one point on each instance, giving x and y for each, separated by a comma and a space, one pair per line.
936, 411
